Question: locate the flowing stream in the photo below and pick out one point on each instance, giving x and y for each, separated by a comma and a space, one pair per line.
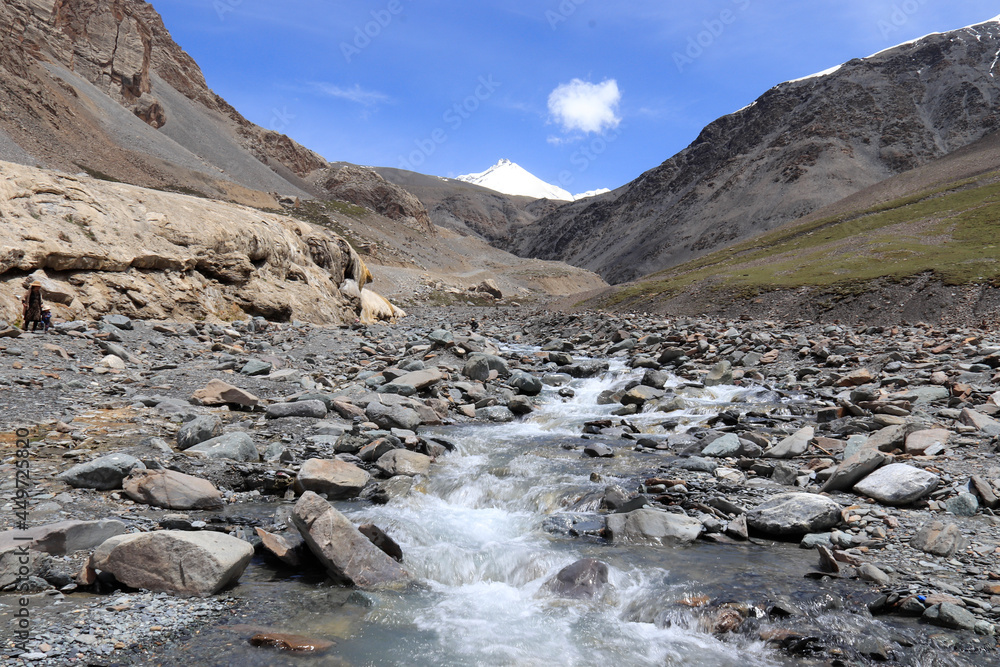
474, 536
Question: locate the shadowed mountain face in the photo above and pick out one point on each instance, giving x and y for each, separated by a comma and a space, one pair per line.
801, 146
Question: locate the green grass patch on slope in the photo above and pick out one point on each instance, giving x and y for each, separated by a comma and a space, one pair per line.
950, 231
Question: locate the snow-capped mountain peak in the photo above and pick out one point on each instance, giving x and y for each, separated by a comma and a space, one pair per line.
510, 178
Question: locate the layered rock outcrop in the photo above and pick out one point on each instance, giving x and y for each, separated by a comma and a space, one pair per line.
101, 247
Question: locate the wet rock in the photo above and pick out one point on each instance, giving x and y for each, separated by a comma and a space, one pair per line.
172, 490
583, 580
291, 643
311, 409
648, 526
586, 369
104, 473
63, 537
897, 484
287, 547
217, 392
520, 405
796, 444
721, 373
236, 446
525, 383
495, 413
794, 515
639, 396
599, 450
346, 553
404, 462
950, 615
378, 537
938, 538
176, 562
198, 430
336, 479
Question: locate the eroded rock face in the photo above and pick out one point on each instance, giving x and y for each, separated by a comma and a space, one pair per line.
111, 248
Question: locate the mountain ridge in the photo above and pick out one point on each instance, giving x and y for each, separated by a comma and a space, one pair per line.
800, 146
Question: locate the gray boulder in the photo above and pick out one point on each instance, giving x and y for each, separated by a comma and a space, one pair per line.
63, 537
525, 383
647, 526
314, 409
938, 538
256, 367
495, 413
404, 462
104, 473
393, 416
479, 365
794, 515
721, 373
347, 554
178, 562
897, 484
236, 446
583, 580
198, 430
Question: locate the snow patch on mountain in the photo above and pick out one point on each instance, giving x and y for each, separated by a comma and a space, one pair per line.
512, 179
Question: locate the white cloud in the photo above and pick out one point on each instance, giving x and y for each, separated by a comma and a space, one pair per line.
581, 106
354, 94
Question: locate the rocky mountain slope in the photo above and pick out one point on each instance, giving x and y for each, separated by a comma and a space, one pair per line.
801, 146
916, 247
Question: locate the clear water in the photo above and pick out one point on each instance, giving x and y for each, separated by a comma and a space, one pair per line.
472, 535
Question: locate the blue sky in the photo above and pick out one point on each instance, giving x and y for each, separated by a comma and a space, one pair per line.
583, 93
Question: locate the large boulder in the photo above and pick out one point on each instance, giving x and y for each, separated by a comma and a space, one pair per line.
104, 473
347, 555
63, 537
525, 383
647, 526
855, 467
334, 478
236, 446
404, 462
172, 490
897, 484
198, 430
938, 538
173, 561
794, 515
393, 416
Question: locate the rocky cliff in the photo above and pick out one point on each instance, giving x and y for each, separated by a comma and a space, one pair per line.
802, 145
100, 247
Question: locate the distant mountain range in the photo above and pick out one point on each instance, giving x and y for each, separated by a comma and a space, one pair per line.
511, 179
802, 145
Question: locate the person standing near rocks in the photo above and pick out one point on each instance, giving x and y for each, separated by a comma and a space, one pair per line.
32, 305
